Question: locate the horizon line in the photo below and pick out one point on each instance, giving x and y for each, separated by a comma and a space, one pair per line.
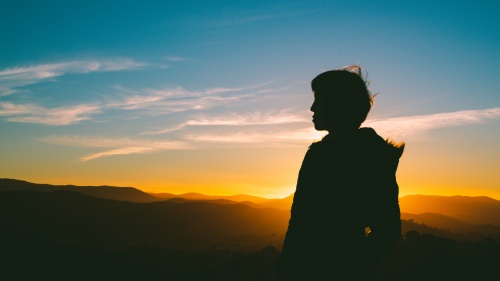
230, 195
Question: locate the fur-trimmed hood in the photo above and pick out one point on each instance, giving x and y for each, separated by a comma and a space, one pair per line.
365, 138
364, 146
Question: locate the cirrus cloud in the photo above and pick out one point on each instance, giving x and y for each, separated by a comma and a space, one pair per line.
117, 146
235, 119
12, 78
398, 127
32, 113
260, 134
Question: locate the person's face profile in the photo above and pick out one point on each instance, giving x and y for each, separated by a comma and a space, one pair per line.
328, 114
320, 113
316, 109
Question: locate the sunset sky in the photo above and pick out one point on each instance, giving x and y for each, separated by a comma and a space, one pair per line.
214, 96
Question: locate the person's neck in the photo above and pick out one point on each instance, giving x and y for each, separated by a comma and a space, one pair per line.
342, 133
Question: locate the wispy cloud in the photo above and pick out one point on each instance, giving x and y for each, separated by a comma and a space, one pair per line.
156, 102
398, 127
409, 125
266, 138
118, 146
234, 119
149, 101
164, 104
146, 98
222, 90
241, 17
12, 78
118, 151
31, 113
175, 58
261, 135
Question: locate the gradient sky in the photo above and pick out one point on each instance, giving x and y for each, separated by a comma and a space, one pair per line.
214, 96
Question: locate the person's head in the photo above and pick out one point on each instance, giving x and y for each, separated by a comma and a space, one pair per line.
341, 99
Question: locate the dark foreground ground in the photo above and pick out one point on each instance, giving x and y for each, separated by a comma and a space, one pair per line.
418, 257
69, 236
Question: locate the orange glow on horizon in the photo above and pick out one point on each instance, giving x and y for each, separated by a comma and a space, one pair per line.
269, 192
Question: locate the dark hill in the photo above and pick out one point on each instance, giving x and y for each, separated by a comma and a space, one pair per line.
473, 210
436, 220
214, 201
281, 204
70, 217
253, 201
108, 192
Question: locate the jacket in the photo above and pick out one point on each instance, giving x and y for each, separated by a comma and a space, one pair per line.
345, 215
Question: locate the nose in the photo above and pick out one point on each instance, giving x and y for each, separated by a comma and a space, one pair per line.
313, 106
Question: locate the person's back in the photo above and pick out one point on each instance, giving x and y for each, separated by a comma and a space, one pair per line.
346, 183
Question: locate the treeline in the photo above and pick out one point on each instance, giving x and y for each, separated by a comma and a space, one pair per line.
68, 236
429, 257
468, 234
416, 257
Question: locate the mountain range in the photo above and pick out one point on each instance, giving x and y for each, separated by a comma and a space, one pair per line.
59, 233
463, 209
107, 192
253, 201
450, 212
69, 217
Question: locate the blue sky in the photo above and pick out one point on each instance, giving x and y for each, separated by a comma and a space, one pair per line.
196, 95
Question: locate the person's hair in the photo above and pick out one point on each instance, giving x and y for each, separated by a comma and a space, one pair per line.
346, 89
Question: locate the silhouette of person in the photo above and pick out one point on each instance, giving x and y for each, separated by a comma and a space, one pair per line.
346, 188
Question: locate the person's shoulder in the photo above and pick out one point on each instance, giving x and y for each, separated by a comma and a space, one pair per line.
325, 141
387, 146
313, 149
315, 145
369, 134
395, 148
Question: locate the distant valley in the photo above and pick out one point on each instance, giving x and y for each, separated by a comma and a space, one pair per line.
72, 232
107, 192
448, 212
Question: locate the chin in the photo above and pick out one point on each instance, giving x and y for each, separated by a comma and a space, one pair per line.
319, 127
